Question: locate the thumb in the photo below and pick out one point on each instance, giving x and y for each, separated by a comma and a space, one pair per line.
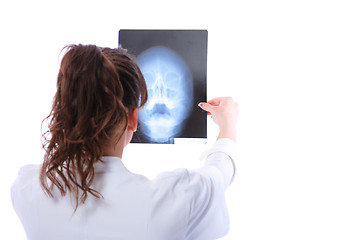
207, 107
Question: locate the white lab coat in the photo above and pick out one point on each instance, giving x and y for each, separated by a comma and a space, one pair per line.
176, 205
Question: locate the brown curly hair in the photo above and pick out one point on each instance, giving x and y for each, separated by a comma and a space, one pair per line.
96, 89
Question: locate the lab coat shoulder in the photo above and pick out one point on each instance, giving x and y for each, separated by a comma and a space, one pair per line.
24, 188
24, 182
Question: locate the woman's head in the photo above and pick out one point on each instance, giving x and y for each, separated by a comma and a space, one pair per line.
97, 88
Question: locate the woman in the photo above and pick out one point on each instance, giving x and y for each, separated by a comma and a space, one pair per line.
85, 191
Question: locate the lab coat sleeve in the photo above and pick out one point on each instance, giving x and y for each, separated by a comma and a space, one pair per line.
208, 214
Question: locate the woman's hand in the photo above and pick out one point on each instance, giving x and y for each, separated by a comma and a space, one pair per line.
224, 112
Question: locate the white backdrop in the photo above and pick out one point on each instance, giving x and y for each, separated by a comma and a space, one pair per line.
293, 66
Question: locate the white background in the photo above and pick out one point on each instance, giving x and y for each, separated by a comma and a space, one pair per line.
293, 67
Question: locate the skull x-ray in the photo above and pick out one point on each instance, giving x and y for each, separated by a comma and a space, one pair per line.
173, 63
170, 93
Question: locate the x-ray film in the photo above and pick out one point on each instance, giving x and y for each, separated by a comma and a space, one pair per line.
173, 63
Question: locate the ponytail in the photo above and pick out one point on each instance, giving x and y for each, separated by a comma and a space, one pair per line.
95, 89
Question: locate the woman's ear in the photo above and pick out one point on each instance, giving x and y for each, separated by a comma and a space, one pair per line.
133, 115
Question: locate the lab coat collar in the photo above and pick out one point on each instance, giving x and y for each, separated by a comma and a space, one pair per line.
109, 164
